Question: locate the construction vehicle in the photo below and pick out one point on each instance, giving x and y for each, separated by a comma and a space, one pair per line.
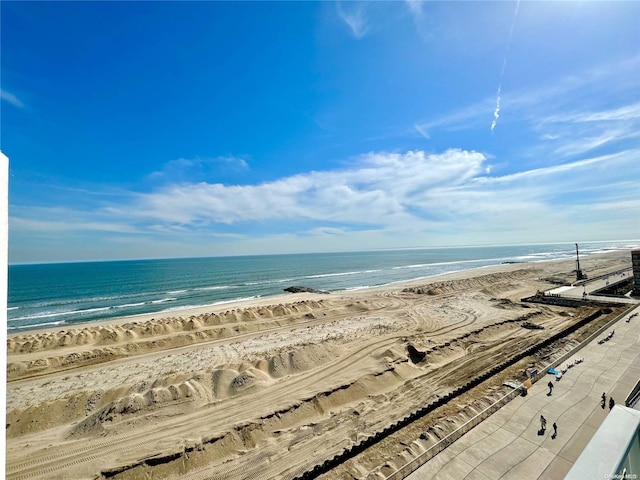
579, 274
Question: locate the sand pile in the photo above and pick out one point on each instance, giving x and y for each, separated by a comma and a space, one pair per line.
269, 388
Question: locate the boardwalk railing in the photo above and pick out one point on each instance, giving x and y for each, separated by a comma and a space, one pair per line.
432, 451
424, 457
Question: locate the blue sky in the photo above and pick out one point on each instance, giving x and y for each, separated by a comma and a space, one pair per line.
141, 130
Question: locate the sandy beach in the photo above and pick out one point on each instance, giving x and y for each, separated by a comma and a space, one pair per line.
271, 387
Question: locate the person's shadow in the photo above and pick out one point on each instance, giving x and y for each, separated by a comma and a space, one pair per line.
541, 431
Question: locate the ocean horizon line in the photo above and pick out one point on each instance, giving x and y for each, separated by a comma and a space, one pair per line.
323, 252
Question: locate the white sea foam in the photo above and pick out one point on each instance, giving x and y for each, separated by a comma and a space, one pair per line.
164, 300
126, 305
221, 302
269, 282
337, 274
101, 298
455, 262
60, 314
215, 287
19, 327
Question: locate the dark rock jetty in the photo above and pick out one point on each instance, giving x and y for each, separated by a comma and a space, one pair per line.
296, 289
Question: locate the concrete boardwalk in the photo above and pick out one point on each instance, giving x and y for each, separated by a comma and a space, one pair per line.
508, 445
589, 288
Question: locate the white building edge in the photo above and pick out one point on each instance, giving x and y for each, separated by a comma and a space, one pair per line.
614, 451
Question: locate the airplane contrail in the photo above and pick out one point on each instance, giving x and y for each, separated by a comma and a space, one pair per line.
496, 112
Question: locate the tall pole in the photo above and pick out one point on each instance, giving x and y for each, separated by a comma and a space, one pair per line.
579, 274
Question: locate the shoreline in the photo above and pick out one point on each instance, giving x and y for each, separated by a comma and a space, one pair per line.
285, 298
279, 298
73, 318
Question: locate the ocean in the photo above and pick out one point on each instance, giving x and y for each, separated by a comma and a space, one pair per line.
46, 295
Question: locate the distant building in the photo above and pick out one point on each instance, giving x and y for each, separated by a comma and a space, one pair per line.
635, 261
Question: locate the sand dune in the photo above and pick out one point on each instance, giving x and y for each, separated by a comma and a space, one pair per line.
271, 388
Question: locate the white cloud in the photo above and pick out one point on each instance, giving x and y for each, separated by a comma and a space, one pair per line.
376, 189
328, 231
576, 132
422, 130
415, 7
44, 226
11, 98
199, 169
380, 200
352, 13
390, 192
548, 105
624, 113
586, 142
551, 170
471, 116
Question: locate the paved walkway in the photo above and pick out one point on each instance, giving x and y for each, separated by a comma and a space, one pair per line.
591, 286
508, 445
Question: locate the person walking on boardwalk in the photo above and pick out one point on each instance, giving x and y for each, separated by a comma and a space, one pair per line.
543, 423
550, 385
555, 430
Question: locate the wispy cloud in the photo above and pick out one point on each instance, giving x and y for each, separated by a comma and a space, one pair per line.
381, 188
415, 7
465, 118
374, 190
586, 142
11, 98
413, 196
422, 130
329, 231
352, 13
547, 202
578, 132
550, 103
555, 169
624, 113
549, 113
54, 220
199, 169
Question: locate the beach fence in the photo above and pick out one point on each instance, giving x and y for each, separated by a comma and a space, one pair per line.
412, 465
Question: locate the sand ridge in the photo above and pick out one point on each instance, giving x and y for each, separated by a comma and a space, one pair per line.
265, 388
